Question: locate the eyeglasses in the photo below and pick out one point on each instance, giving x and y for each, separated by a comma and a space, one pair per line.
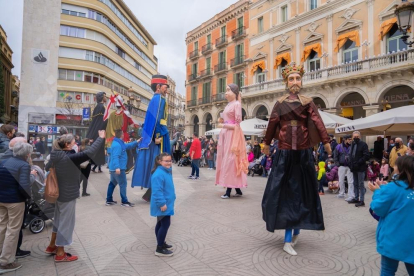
167, 161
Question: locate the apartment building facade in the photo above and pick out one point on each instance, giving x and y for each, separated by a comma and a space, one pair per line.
217, 51
176, 103
6, 53
356, 61
94, 45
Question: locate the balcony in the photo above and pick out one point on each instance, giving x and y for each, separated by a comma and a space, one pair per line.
238, 33
207, 49
220, 68
383, 66
205, 100
192, 78
206, 73
194, 54
191, 103
221, 41
237, 62
220, 97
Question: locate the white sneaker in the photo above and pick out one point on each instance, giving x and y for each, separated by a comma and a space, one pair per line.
295, 240
225, 197
340, 196
289, 249
349, 199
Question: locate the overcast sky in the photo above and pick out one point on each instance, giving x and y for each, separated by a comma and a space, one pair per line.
166, 20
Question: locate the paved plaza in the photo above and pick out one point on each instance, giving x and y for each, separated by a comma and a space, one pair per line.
211, 236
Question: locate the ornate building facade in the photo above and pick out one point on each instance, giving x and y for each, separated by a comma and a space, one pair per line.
356, 61
176, 103
217, 51
6, 53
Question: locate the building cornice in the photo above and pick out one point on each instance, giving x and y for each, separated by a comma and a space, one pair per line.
218, 20
307, 16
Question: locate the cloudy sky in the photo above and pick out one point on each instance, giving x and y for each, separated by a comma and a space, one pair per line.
166, 20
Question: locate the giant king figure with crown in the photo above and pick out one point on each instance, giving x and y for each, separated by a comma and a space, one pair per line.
291, 200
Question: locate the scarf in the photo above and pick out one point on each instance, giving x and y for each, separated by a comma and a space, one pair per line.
120, 142
239, 149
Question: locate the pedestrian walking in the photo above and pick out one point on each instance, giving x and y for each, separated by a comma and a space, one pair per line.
67, 166
195, 155
162, 201
394, 204
117, 168
359, 158
14, 191
85, 167
342, 158
210, 157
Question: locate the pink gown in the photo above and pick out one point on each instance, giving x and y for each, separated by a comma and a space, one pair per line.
226, 174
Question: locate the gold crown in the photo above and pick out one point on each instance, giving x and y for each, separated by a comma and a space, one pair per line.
292, 68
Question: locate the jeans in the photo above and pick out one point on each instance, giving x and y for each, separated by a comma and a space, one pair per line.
390, 266
122, 181
210, 163
238, 191
342, 172
288, 234
195, 167
161, 229
359, 185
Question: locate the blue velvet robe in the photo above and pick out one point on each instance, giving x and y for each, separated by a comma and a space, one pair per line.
155, 126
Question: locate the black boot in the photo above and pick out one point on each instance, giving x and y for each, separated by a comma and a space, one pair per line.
163, 252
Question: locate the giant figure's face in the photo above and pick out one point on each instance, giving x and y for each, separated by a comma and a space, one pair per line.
294, 83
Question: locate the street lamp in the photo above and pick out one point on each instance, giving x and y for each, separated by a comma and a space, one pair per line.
404, 12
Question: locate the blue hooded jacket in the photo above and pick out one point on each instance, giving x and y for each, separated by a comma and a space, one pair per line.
162, 192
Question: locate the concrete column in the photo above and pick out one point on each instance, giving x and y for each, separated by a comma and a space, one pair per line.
297, 46
330, 40
272, 59
371, 38
371, 110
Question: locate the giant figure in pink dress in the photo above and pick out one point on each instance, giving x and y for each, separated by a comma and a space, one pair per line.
232, 164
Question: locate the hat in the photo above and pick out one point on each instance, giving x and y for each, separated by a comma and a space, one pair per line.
291, 69
158, 79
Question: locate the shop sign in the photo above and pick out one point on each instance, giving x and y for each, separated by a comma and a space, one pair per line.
353, 103
43, 129
397, 97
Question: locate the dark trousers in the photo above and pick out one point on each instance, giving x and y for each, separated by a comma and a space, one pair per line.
19, 243
94, 167
238, 191
84, 177
195, 167
390, 266
161, 229
321, 184
177, 155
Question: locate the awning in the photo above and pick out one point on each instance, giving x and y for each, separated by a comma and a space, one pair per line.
257, 65
308, 50
280, 58
65, 117
386, 26
341, 40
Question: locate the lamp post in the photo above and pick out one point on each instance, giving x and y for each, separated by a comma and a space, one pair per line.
404, 13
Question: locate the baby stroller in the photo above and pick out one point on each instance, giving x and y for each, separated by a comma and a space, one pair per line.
38, 211
255, 168
184, 161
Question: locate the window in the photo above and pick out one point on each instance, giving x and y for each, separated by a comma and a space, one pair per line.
62, 74
394, 41
284, 13
78, 75
65, 11
222, 57
350, 52
194, 94
120, 52
71, 75
209, 39
282, 67
260, 24
196, 46
314, 62
194, 69
223, 31
239, 79
89, 55
240, 22
260, 76
206, 92
72, 31
88, 77
313, 4
239, 51
221, 86
208, 64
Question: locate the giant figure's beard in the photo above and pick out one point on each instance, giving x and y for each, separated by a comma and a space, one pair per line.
295, 89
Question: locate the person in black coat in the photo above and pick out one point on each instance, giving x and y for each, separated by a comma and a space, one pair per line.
14, 191
379, 148
257, 150
98, 124
67, 166
40, 146
358, 165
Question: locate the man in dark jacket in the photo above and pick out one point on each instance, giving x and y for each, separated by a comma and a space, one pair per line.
14, 191
379, 148
342, 158
257, 150
359, 157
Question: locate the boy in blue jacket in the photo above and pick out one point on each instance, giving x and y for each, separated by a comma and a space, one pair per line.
117, 166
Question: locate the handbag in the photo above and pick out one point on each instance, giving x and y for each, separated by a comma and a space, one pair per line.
84, 165
333, 185
52, 188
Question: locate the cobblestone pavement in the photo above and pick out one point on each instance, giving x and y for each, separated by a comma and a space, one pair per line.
211, 236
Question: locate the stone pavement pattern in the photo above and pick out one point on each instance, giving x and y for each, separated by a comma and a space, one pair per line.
211, 236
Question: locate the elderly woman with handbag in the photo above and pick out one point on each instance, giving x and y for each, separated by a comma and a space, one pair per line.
66, 163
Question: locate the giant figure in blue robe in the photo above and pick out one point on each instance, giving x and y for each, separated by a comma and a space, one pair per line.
155, 138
